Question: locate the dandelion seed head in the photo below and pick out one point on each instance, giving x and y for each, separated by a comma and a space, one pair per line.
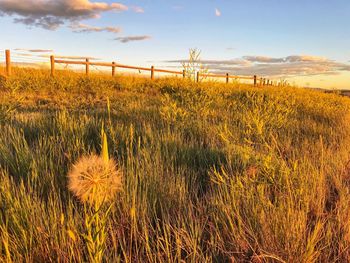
93, 180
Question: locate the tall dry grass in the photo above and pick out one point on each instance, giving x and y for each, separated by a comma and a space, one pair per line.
213, 172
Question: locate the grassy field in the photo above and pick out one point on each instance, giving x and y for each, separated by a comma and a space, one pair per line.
211, 172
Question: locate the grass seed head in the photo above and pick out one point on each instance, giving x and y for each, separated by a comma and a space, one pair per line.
94, 180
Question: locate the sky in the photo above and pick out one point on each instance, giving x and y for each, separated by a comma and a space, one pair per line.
304, 41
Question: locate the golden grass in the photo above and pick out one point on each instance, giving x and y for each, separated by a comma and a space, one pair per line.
212, 172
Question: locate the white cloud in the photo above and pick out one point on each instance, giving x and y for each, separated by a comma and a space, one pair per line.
217, 12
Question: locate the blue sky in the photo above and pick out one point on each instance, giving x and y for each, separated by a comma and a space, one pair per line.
304, 40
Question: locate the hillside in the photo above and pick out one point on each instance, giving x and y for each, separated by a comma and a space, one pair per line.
212, 172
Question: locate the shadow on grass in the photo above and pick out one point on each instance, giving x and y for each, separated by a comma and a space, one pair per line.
198, 160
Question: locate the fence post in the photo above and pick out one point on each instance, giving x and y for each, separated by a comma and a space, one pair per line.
261, 82
184, 74
197, 76
52, 62
152, 73
255, 81
8, 62
227, 78
113, 69
87, 70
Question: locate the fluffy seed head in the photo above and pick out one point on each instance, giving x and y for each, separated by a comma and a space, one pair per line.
94, 180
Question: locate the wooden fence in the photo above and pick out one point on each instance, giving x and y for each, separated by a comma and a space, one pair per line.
113, 65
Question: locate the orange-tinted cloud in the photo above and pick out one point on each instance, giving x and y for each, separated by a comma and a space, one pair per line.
50, 14
83, 28
290, 66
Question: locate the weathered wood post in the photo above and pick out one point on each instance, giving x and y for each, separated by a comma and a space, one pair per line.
52, 62
8, 62
261, 82
184, 74
152, 73
113, 69
87, 69
227, 78
198, 76
255, 81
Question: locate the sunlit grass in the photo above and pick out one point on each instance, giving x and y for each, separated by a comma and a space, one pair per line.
212, 172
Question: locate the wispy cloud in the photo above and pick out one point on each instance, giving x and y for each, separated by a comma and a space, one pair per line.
232, 62
51, 14
70, 57
217, 12
303, 58
137, 9
177, 7
34, 50
83, 28
132, 38
290, 66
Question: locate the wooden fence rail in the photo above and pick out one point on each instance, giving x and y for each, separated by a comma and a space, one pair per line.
152, 69
113, 65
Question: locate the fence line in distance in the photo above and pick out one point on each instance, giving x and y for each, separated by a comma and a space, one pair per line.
113, 65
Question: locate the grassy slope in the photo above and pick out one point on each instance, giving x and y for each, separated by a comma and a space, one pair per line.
212, 172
